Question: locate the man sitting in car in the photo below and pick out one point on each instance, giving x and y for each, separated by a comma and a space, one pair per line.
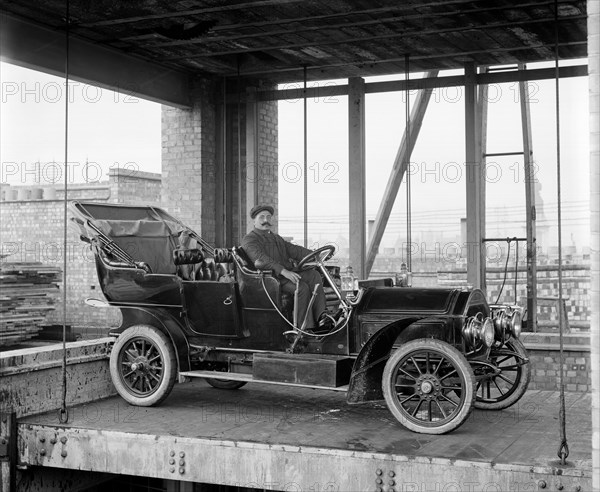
269, 251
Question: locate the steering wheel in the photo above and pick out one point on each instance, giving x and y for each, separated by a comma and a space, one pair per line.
316, 257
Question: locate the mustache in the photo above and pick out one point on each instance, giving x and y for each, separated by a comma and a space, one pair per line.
266, 223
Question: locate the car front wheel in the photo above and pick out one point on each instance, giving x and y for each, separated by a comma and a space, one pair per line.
508, 383
143, 366
429, 386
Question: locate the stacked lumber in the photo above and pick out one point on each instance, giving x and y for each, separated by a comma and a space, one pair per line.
28, 291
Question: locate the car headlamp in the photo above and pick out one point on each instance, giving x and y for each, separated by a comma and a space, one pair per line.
507, 322
487, 332
478, 330
516, 323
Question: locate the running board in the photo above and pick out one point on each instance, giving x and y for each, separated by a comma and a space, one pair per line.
247, 378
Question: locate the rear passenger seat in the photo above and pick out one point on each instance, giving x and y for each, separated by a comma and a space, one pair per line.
191, 265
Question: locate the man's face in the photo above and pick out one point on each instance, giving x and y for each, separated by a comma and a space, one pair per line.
263, 221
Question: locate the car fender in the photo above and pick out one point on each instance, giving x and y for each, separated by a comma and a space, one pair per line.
164, 321
365, 380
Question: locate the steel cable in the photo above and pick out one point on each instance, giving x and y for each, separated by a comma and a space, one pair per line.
563, 449
63, 414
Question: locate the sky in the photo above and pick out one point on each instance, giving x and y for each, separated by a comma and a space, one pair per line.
108, 129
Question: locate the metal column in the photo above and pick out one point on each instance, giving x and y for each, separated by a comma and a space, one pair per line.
357, 175
474, 184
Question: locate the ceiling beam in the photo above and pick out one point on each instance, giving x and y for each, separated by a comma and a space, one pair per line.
29, 45
379, 37
423, 83
457, 54
185, 13
329, 26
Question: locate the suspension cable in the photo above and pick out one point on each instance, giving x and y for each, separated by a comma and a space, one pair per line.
305, 153
240, 233
563, 449
63, 414
407, 170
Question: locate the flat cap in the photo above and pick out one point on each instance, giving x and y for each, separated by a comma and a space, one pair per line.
259, 208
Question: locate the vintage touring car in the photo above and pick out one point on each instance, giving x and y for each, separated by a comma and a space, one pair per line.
191, 310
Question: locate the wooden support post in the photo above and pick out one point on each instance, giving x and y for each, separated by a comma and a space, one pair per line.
397, 174
530, 215
357, 175
474, 184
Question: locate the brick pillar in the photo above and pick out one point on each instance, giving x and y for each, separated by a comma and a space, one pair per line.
593, 10
200, 179
188, 160
268, 154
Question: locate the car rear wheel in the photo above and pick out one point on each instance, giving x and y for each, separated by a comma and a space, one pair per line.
429, 386
225, 383
509, 383
143, 366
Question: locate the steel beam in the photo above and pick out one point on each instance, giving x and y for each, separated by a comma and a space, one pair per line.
482, 125
296, 91
474, 184
271, 466
33, 46
397, 173
530, 215
357, 175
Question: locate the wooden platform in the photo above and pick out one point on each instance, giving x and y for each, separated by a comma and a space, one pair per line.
269, 437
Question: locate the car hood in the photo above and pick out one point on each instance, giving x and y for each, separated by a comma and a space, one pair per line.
410, 300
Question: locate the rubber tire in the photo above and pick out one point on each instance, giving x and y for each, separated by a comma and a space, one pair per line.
167, 352
225, 383
521, 386
457, 359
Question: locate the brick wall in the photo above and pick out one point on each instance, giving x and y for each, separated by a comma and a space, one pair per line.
32, 231
134, 187
188, 159
268, 154
544, 354
576, 293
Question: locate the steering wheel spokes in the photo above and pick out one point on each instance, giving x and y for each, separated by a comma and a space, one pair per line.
317, 257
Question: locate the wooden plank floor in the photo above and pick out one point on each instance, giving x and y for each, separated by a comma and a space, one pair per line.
525, 434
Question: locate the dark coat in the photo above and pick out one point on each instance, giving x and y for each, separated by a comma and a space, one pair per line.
269, 251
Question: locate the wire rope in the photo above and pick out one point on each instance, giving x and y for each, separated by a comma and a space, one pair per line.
63, 413
563, 449
407, 170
